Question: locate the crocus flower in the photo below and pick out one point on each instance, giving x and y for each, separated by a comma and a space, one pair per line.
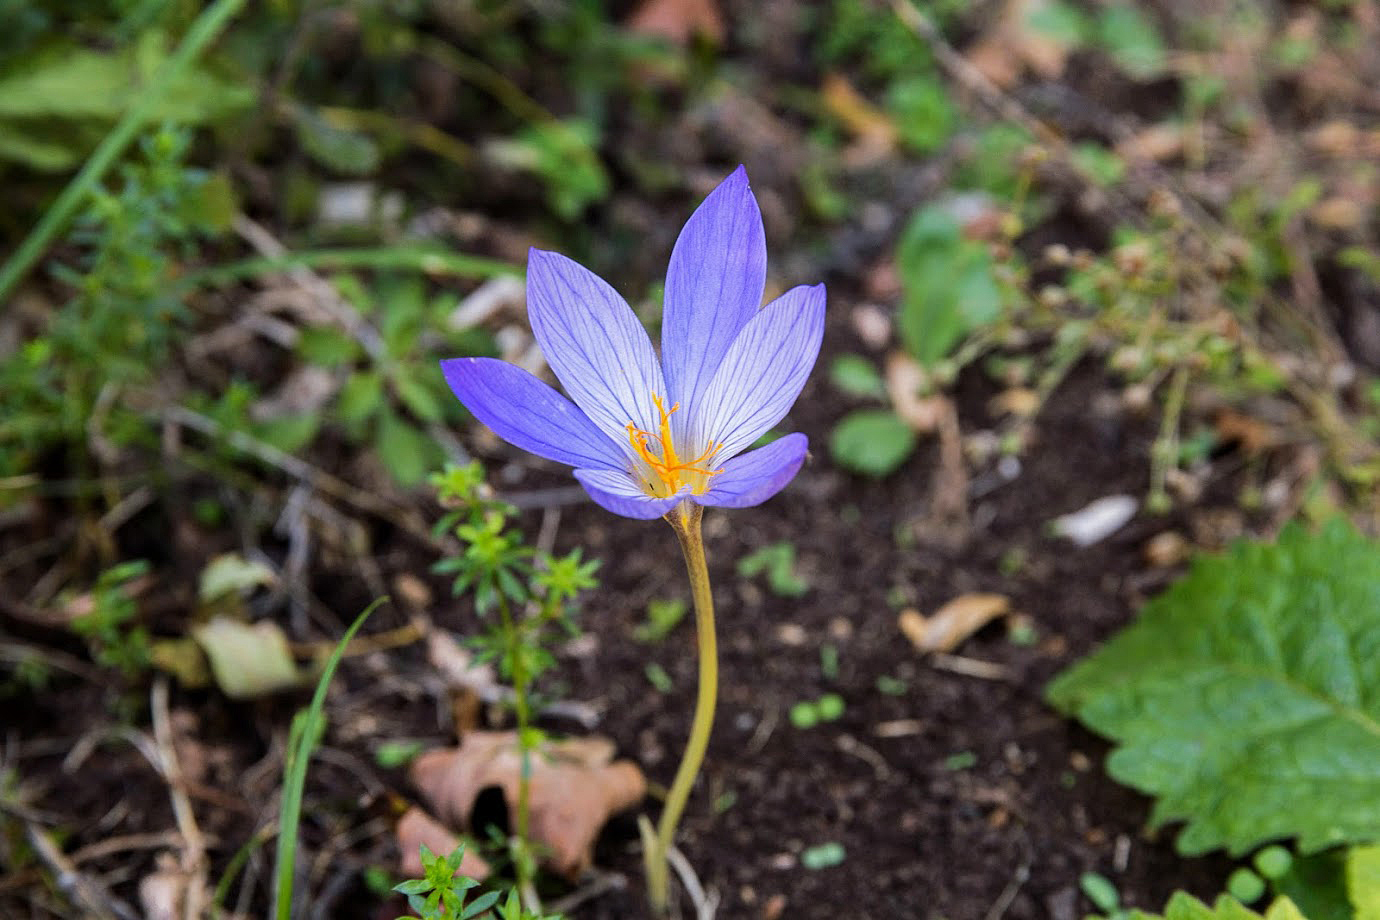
643, 433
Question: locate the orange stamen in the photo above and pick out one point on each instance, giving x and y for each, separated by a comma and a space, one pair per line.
670, 470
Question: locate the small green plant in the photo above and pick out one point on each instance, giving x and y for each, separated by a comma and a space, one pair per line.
662, 617
1098, 889
809, 713
308, 727
118, 325
533, 594
442, 894
1244, 685
777, 560
115, 640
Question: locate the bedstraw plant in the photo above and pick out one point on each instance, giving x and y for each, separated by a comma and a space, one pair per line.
532, 592
665, 437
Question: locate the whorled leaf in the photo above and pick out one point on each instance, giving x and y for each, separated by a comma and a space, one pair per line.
1246, 698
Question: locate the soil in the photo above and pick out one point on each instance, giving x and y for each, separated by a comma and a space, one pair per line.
959, 794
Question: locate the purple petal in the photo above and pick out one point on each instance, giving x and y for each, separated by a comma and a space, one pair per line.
614, 490
762, 373
714, 286
594, 343
757, 475
527, 413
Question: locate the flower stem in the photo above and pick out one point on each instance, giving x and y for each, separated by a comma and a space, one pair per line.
685, 520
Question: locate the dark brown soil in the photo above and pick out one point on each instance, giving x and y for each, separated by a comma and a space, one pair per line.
961, 797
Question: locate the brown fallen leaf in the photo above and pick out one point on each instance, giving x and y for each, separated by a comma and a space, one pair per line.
905, 379
1157, 143
1014, 44
678, 21
873, 129
575, 786
952, 623
1252, 434
415, 828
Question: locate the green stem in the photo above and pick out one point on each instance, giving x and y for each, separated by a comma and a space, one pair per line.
521, 858
55, 219
685, 520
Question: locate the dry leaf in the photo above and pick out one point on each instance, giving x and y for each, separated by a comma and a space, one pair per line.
1157, 143
575, 786
1252, 434
904, 381
873, 326
248, 660
1021, 402
1337, 212
1012, 46
952, 623
1336, 138
1166, 548
1097, 520
415, 828
874, 130
678, 21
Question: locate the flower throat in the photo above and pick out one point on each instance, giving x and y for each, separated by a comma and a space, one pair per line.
672, 474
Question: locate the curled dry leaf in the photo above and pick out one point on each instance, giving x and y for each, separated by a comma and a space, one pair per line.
575, 786
952, 623
415, 828
905, 379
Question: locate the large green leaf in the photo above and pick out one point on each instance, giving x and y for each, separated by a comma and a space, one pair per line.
1186, 907
1247, 697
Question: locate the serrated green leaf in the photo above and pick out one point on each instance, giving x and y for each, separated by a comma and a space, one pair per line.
1247, 697
872, 441
1184, 906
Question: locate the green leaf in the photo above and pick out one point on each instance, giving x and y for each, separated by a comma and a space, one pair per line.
1247, 697
417, 397
328, 347
924, 112
1317, 884
407, 453
856, 376
1133, 40
778, 561
1184, 906
871, 441
1363, 881
823, 856
338, 149
949, 289
360, 397
1058, 22
290, 433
